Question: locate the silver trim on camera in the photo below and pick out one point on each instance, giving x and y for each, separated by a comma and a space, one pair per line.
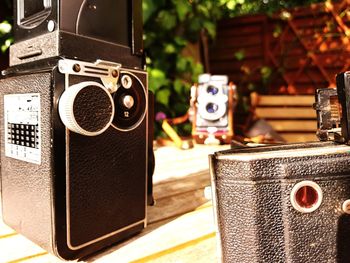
107, 71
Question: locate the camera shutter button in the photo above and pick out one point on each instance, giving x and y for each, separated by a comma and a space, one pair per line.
86, 108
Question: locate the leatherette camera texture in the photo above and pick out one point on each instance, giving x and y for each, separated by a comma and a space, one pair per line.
256, 220
27, 188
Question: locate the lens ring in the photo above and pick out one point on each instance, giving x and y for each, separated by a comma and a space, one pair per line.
306, 196
212, 107
212, 90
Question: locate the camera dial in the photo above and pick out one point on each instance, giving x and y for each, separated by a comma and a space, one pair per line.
86, 108
130, 102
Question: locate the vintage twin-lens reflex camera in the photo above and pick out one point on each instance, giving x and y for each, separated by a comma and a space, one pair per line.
212, 103
74, 108
289, 203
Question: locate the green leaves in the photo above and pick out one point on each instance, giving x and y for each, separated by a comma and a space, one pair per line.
157, 79
5, 28
149, 7
162, 96
5, 38
167, 19
183, 8
172, 28
239, 55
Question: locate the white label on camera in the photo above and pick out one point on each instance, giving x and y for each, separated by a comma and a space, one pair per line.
22, 127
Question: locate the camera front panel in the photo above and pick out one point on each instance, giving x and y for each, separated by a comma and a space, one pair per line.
105, 175
212, 108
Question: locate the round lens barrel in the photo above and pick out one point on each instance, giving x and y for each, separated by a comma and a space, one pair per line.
212, 90
212, 107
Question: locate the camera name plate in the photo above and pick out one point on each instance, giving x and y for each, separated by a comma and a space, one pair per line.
22, 127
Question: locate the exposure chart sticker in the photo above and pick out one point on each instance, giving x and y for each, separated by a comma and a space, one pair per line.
22, 127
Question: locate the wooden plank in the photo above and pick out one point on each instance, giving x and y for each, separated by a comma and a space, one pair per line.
286, 100
286, 113
18, 247
294, 125
163, 239
174, 163
176, 205
299, 137
181, 177
173, 187
200, 250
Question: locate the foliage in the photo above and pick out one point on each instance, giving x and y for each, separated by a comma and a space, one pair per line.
243, 7
172, 29
6, 38
5, 35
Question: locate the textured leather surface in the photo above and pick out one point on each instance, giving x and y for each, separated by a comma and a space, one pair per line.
107, 180
92, 109
256, 220
26, 187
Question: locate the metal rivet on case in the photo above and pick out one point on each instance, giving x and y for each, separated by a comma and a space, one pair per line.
346, 206
51, 26
76, 67
115, 73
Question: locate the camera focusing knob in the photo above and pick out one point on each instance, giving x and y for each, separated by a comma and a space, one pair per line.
86, 108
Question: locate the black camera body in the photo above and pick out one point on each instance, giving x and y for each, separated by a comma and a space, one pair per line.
74, 175
287, 203
76, 151
83, 29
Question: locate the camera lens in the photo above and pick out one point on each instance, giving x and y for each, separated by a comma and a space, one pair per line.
306, 196
212, 107
212, 90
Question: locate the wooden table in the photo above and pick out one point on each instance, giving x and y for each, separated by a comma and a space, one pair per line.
180, 225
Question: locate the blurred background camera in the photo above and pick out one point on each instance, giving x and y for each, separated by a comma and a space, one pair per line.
212, 104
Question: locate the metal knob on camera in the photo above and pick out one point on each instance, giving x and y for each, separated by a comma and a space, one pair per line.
86, 108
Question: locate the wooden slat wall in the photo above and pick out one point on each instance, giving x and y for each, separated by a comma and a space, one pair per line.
303, 52
292, 117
